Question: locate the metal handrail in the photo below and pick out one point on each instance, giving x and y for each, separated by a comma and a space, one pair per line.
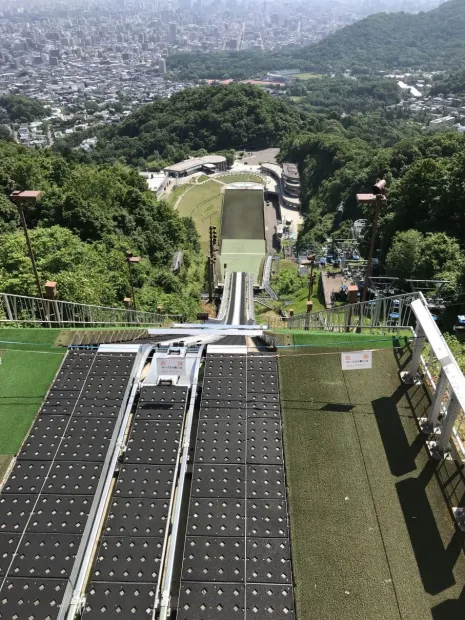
385, 312
23, 309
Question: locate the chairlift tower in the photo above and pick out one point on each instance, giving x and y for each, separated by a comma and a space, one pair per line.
432, 291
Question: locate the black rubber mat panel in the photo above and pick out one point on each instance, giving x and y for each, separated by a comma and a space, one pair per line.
159, 396
262, 363
73, 478
262, 383
31, 599
270, 601
45, 437
263, 410
222, 413
59, 403
238, 372
218, 481
268, 560
264, 441
267, 517
45, 555
211, 601
122, 558
86, 439
101, 392
119, 600
27, 477
71, 380
226, 388
213, 559
153, 481
216, 517
221, 441
116, 366
137, 517
8, 544
266, 482
153, 442
67, 478
148, 413
15, 511
226, 403
60, 513
98, 408
262, 400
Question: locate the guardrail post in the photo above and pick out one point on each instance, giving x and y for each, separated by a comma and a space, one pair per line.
411, 376
7, 307
440, 448
428, 426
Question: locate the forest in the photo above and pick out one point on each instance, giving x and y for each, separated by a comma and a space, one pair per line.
208, 118
421, 228
87, 218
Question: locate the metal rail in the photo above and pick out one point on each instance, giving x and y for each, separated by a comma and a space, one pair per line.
73, 597
168, 574
388, 313
35, 310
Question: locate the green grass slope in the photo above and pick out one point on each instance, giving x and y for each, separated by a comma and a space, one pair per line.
29, 364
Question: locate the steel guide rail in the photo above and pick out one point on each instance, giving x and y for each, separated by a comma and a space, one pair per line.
237, 559
47, 499
125, 579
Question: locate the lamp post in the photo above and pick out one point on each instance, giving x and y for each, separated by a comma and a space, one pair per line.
130, 259
21, 198
377, 198
310, 277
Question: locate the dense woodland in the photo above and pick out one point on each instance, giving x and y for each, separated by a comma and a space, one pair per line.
87, 218
433, 40
210, 119
16, 108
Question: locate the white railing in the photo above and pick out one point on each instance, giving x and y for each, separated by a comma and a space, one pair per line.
22, 310
385, 313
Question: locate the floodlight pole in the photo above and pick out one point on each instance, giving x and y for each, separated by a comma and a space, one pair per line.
310, 278
379, 201
18, 198
132, 259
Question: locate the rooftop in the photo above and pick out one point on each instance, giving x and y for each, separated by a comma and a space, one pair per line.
291, 171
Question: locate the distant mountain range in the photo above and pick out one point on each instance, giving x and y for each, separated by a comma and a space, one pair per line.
433, 40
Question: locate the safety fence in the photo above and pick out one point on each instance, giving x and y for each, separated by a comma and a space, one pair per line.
386, 314
22, 310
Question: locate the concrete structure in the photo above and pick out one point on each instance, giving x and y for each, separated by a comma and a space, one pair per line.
291, 179
208, 163
156, 181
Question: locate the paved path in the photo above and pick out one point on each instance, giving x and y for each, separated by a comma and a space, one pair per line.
331, 284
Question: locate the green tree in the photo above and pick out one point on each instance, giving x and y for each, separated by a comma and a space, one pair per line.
404, 254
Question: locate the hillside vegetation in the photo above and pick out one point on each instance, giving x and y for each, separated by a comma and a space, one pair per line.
87, 218
210, 119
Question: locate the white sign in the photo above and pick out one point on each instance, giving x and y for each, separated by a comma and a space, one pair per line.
356, 360
171, 365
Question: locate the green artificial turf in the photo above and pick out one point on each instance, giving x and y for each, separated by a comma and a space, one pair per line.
26, 373
372, 535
